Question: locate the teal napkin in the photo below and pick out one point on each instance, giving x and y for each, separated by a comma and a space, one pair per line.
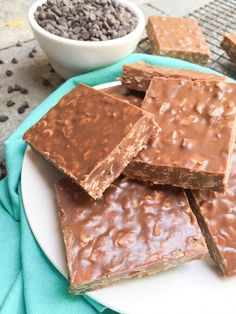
29, 283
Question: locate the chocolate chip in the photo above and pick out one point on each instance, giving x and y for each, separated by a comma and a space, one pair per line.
34, 49
14, 60
3, 118
1, 61
19, 43
24, 91
46, 82
92, 17
9, 73
25, 104
17, 87
21, 109
103, 37
85, 35
31, 54
10, 89
10, 103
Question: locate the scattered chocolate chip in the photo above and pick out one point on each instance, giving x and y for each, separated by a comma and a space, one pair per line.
10, 103
17, 87
86, 20
9, 73
1, 61
52, 70
3, 118
14, 60
34, 49
31, 55
10, 89
19, 43
25, 104
46, 82
24, 91
21, 109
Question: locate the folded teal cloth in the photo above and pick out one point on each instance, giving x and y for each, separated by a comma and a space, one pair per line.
29, 282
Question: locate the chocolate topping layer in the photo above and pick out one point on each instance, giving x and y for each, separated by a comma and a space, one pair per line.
194, 148
138, 76
178, 37
133, 230
91, 136
216, 213
119, 91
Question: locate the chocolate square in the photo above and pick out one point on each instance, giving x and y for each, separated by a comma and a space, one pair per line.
132, 231
194, 148
179, 38
91, 136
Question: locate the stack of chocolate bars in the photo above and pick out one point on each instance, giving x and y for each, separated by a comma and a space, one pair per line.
147, 173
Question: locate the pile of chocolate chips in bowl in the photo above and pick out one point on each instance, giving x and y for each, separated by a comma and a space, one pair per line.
86, 20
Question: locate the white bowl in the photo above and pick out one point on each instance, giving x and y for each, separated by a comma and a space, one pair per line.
71, 57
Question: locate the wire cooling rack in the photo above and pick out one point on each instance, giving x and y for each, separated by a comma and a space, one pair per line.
215, 18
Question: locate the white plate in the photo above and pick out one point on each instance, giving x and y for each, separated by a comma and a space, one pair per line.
192, 288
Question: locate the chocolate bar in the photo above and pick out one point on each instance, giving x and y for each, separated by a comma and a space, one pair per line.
229, 46
132, 231
177, 37
194, 148
91, 137
120, 91
138, 76
216, 214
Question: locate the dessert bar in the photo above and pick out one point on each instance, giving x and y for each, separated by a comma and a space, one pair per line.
194, 148
91, 136
132, 231
178, 37
138, 76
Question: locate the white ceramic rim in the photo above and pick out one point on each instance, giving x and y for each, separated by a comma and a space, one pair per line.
134, 8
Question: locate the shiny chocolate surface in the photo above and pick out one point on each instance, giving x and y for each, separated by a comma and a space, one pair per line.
80, 134
178, 37
217, 213
133, 226
197, 119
